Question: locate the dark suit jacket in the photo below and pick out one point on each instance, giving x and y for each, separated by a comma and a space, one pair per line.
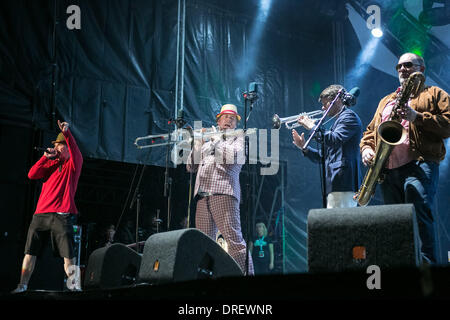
341, 153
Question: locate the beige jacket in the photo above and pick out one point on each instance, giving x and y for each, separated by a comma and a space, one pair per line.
427, 132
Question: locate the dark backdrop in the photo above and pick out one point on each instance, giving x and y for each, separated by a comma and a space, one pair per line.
117, 78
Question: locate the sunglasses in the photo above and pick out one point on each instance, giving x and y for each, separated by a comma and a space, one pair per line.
407, 65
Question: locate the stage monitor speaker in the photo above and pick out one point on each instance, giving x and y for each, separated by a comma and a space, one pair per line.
112, 267
342, 239
183, 255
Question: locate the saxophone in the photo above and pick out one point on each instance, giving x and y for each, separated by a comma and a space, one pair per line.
391, 133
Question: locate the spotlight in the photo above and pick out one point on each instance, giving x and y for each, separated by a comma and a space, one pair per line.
264, 8
265, 5
377, 32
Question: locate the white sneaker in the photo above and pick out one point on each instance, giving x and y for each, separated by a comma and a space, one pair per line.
76, 289
20, 288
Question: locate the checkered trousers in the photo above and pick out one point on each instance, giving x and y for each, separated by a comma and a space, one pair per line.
221, 212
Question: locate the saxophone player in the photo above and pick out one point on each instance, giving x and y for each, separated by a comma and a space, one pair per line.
412, 168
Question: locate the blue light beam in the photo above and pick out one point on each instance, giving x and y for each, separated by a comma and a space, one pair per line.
248, 60
362, 62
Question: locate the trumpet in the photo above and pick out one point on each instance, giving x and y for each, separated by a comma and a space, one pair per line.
291, 122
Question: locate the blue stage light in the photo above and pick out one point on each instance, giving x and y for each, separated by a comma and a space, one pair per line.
377, 32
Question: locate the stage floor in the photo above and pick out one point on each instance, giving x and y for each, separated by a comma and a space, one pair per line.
402, 292
429, 283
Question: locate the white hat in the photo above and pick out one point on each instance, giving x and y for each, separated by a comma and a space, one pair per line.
228, 109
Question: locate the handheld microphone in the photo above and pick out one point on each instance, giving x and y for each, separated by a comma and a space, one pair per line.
42, 149
349, 98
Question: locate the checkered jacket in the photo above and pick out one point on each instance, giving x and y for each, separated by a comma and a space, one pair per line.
218, 163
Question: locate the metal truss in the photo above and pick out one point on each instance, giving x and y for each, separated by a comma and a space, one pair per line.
402, 32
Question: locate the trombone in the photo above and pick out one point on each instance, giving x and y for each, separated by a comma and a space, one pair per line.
291, 122
157, 140
179, 136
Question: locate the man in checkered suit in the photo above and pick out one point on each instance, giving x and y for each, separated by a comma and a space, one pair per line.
218, 163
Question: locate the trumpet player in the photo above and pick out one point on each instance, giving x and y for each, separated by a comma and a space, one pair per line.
341, 149
412, 169
218, 163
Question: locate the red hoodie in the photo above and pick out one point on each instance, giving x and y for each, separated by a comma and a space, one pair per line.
59, 187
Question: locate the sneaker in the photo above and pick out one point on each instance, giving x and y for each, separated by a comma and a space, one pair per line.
20, 288
76, 289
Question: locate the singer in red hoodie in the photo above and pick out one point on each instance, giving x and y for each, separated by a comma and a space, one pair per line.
60, 169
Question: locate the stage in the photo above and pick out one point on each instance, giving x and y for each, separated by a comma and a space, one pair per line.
424, 283
129, 71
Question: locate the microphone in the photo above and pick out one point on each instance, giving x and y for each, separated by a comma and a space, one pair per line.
349, 98
42, 149
180, 122
252, 93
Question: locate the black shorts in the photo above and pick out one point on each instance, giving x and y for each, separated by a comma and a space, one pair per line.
59, 227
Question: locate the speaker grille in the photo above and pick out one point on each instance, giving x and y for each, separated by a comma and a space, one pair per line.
353, 238
183, 255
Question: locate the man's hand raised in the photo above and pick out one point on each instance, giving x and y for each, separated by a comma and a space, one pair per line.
63, 126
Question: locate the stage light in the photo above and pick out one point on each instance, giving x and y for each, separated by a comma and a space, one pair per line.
265, 6
418, 51
248, 62
377, 32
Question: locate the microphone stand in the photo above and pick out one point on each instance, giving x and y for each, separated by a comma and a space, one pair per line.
168, 181
137, 197
248, 96
180, 122
167, 190
191, 174
321, 140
